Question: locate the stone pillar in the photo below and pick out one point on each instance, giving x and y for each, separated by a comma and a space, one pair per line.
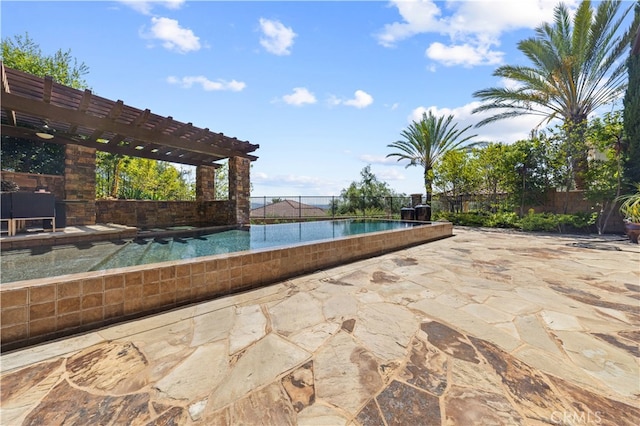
80, 185
205, 183
416, 199
240, 188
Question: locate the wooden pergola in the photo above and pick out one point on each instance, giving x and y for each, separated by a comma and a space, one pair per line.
43, 110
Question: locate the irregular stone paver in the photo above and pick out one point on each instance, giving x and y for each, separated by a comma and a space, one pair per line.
321, 415
189, 380
346, 374
298, 311
385, 329
466, 406
402, 404
485, 327
261, 364
249, 325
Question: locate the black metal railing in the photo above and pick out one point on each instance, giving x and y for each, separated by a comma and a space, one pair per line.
328, 207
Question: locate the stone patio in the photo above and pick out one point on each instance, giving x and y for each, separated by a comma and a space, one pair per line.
485, 327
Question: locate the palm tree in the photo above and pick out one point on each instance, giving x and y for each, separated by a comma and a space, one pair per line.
576, 68
425, 142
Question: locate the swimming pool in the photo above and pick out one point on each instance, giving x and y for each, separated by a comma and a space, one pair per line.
37, 310
17, 265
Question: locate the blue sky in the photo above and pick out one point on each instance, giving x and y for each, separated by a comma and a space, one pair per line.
322, 87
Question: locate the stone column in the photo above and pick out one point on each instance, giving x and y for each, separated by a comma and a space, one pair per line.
240, 188
205, 183
80, 185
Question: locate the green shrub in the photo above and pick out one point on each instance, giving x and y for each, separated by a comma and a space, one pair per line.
503, 220
546, 222
536, 222
463, 219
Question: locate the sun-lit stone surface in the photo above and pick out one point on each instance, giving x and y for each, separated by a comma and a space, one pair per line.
385, 329
561, 321
212, 326
21, 390
298, 311
249, 325
401, 404
608, 364
533, 332
61, 404
320, 415
340, 306
466, 406
312, 338
258, 366
299, 386
115, 367
29, 356
426, 368
483, 328
345, 374
268, 406
197, 375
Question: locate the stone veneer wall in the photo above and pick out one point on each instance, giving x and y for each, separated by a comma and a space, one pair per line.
205, 183
158, 214
31, 181
80, 185
38, 310
240, 188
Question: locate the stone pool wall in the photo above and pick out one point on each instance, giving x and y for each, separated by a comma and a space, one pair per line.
158, 214
38, 310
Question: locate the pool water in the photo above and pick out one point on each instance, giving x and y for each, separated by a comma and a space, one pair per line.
17, 265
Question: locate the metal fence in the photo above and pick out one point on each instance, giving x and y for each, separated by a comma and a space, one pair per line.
327, 207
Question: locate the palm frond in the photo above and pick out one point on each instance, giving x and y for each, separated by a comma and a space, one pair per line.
576, 66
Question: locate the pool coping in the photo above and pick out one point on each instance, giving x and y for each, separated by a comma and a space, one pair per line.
34, 311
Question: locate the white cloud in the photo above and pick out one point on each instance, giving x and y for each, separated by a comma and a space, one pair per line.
361, 99
377, 159
277, 39
472, 27
463, 54
289, 184
172, 36
506, 131
299, 97
146, 6
206, 84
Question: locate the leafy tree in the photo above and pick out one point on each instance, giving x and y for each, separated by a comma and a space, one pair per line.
455, 176
222, 182
605, 171
632, 115
22, 53
534, 170
576, 67
490, 162
26, 156
426, 141
367, 194
108, 174
147, 179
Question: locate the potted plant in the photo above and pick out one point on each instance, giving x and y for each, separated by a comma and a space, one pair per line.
630, 209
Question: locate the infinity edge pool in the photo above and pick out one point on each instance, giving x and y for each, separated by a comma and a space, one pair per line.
43, 309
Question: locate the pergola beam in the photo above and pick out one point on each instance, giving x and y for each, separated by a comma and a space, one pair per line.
80, 117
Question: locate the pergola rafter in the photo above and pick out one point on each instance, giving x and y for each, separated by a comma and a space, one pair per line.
31, 104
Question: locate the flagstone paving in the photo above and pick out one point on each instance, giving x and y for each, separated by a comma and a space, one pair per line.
485, 327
